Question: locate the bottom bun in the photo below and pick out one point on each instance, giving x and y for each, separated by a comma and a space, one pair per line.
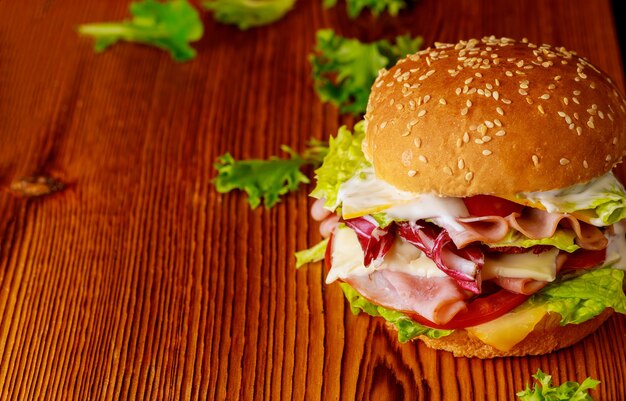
547, 336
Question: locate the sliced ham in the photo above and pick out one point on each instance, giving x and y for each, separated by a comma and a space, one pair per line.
532, 223
526, 286
437, 299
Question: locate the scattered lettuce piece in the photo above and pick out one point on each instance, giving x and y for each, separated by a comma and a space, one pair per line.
562, 239
314, 254
585, 296
267, 179
407, 328
343, 160
603, 197
248, 13
345, 69
169, 25
568, 391
354, 7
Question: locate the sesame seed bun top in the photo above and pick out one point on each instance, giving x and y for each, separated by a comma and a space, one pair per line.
493, 116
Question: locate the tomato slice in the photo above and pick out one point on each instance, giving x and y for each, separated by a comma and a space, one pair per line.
480, 310
487, 205
583, 258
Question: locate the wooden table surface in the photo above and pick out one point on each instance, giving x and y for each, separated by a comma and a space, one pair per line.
139, 282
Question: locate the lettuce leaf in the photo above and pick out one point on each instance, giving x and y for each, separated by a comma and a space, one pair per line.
585, 296
248, 13
344, 159
568, 391
603, 198
407, 328
315, 253
169, 25
354, 7
562, 239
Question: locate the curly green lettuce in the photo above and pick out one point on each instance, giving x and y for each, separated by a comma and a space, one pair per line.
585, 296
407, 328
562, 239
314, 254
355, 7
267, 180
248, 13
170, 25
345, 69
568, 391
344, 159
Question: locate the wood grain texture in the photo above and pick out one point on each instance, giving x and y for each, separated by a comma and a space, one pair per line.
140, 282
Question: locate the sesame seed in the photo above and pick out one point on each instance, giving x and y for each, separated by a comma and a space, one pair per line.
506, 101
568, 119
563, 161
479, 141
422, 158
458, 91
608, 158
575, 100
488, 123
501, 133
406, 133
383, 125
601, 114
561, 113
461, 164
482, 129
442, 101
610, 116
426, 98
497, 82
468, 103
464, 111
522, 92
566, 101
487, 152
481, 92
489, 86
466, 137
615, 141
590, 123
495, 95
582, 75
509, 74
535, 160
545, 96
469, 81
421, 113
585, 164
529, 100
486, 138
524, 85
557, 78
412, 123
551, 86
411, 173
579, 131
571, 126
497, 122
540, 107
576, 92
499, 110
447, 170
417, 142
399, 106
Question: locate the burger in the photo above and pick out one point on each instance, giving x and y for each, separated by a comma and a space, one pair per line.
475, 208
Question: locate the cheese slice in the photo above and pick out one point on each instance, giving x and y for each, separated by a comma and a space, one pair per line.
508, 330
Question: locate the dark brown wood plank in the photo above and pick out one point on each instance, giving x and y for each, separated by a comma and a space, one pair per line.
139, 281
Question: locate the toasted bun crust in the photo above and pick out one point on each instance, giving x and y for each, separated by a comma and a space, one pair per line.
547, 336
493, 116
